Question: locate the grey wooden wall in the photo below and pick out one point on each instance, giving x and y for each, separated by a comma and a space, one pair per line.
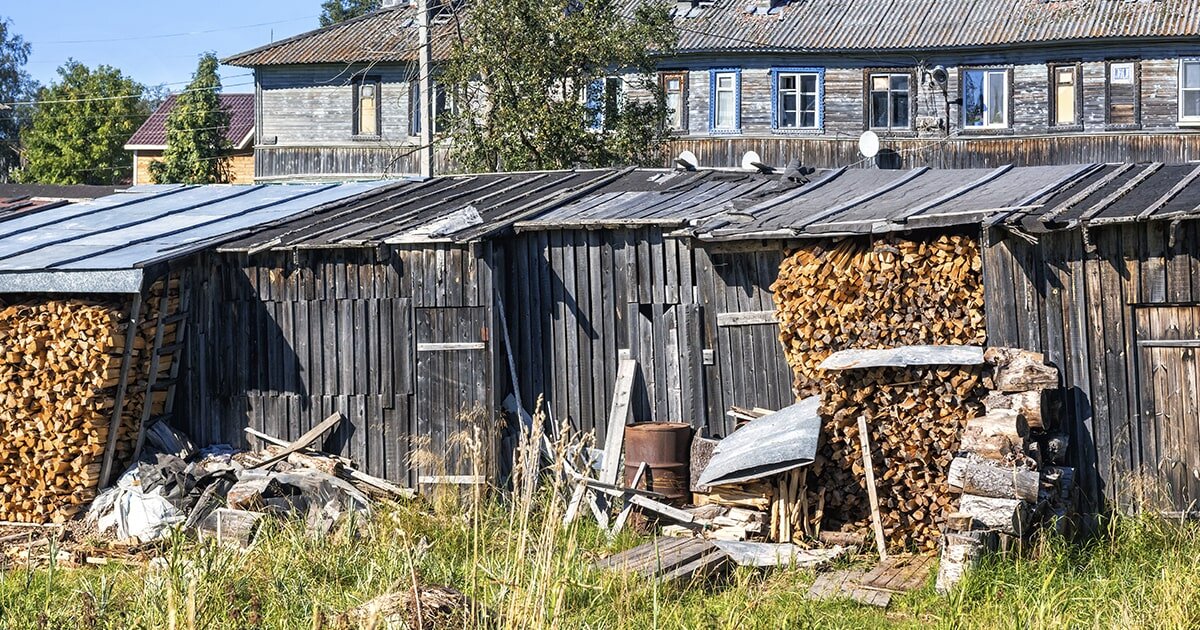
1116, 319
576, 299
398, 340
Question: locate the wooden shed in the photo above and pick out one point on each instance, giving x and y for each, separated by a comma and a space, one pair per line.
367, 307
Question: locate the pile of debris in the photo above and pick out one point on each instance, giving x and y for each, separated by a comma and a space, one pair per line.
226, 495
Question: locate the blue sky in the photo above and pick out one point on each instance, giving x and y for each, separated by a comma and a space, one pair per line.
153, 42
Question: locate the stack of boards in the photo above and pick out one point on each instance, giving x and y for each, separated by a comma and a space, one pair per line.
892, 292
60, 373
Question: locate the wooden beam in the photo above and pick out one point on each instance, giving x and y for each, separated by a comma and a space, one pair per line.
618, 417
748, 318
627, 508
876, 521
304, 440
344, 470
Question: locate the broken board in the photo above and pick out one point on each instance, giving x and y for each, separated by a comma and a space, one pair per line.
899, 574
669, 559
846, 584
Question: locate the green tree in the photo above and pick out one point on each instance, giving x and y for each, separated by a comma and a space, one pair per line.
197, 128
531, 78
15, 87
79, 127
334, 11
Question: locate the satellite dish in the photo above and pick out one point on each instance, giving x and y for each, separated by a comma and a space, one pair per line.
868, 144
689, 157
749, 160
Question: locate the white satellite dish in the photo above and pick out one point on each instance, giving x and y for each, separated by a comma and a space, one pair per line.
868, 144
749, 159
690, 158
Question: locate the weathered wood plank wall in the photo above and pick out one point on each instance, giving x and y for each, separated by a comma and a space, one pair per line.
577, 299
280, 341
1088, 308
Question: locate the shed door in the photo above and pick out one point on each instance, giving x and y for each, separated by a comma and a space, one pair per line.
1168, 339
454, 372
666, 341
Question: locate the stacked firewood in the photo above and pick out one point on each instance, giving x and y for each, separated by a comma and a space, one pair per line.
60, 370
915, 417
892, 292
61, 361
839, 295
1009, 470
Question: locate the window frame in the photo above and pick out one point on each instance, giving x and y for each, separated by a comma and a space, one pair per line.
598, 118
356, 118
911, 129
1008, 99
1052, 96
414, 121
819, 119
1137, 94
665, 76
713, 74
1188, 121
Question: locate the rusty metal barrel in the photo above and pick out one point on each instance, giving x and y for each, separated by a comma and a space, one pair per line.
665, 447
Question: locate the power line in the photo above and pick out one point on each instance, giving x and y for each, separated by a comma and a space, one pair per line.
116, 98
169, 35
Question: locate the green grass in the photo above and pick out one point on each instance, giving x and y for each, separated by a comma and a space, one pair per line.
525, 570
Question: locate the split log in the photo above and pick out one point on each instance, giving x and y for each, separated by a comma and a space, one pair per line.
1029, 404
1000, 435
988, 480
1018, 370
1007, 516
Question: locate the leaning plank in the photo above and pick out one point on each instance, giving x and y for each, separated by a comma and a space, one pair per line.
869, 468
627, 508
612, 488
305, 440
649, 504
618, 417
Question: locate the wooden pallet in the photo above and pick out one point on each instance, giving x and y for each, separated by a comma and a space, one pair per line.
899, 574
669, 559
846, 584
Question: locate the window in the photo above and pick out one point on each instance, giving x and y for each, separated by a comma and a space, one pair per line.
1189, 90
602, 100
1066, 96
1123, 88
985, 98
366, 107
674, 86
889, 101
796, 95
725, 87
442, 108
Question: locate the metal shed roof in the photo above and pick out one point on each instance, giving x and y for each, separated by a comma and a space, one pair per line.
459, 208
103, 246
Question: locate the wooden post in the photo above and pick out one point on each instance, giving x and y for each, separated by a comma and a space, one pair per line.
425, 81
876, 521
618, 417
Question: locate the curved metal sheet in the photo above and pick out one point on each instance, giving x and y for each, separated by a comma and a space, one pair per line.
767, 446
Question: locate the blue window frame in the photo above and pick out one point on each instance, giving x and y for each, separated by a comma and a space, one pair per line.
797, 99
725, 100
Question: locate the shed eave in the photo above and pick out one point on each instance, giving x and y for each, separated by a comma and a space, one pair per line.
72, 281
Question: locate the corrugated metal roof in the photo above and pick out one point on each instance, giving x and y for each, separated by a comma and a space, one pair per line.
382, 35
153, 132
459, 208
795, 25
847, 25
103, 245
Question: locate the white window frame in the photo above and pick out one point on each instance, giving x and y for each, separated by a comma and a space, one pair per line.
987, 105
1188, 120
735, 91
780, 75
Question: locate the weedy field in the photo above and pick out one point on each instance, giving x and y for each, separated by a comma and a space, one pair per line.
521, 568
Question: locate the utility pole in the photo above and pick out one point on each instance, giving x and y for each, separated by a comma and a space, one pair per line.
425, 81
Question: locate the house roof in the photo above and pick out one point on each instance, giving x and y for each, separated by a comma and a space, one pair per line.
104, 245
383, 35
872, 25
827, 26
67, 192
153, 133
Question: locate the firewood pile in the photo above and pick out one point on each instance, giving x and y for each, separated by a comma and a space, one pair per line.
838, 295
59, 376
